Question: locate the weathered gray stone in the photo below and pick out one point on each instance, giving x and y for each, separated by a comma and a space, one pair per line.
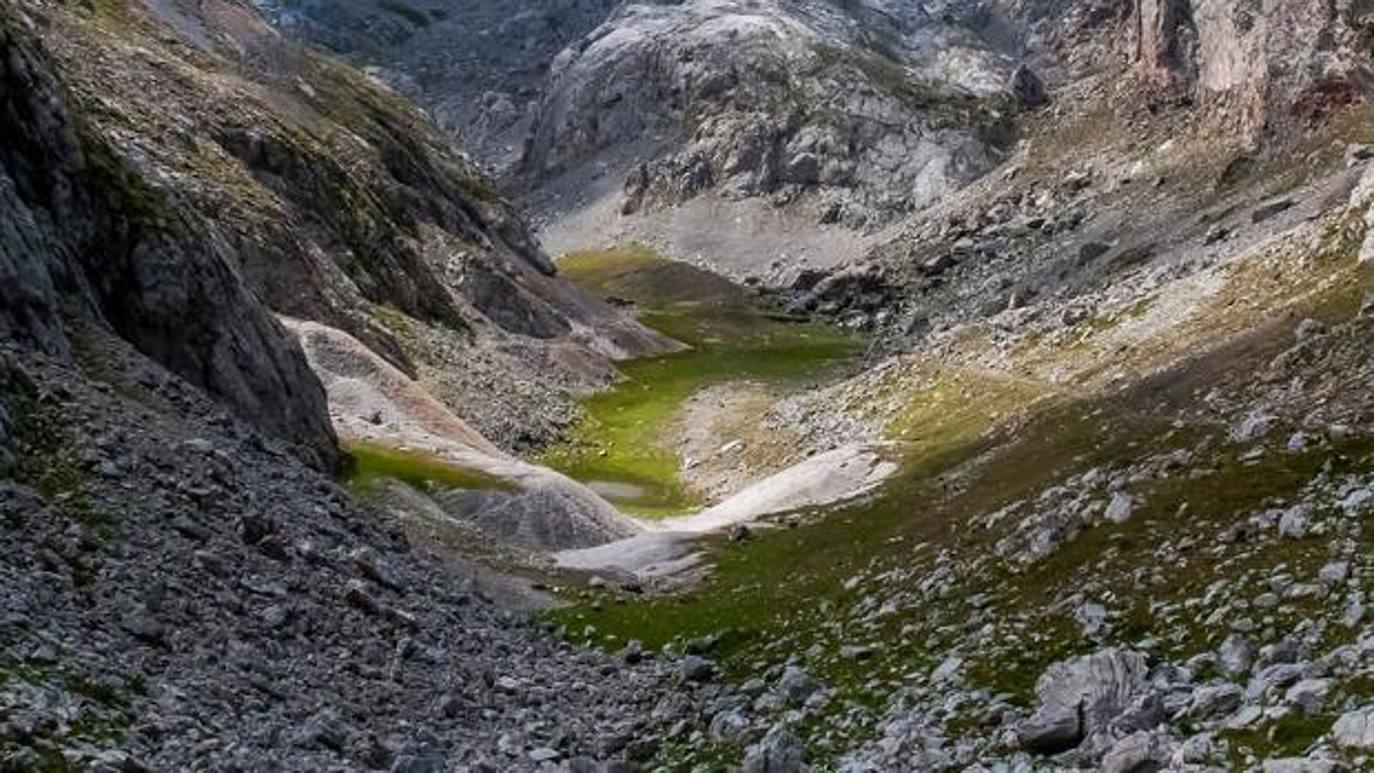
779, 752
1212, 701
1077, 698
1355, 729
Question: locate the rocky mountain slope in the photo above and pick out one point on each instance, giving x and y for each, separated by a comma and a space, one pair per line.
477, 65
849, 114
334, 200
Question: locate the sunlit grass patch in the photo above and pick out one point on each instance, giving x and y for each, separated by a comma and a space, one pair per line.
368, 463
734, 337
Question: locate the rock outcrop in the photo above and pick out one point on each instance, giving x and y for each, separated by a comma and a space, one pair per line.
1282, 67
1078, 698
85, 240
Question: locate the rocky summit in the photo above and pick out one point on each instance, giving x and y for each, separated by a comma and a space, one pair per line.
613, 385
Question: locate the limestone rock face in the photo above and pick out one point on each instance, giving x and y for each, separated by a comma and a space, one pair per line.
879, 106
1286, 65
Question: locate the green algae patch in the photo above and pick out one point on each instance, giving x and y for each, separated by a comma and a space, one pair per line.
368, 463
617, 446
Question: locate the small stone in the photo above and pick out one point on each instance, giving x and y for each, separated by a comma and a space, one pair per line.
543, 754
950, 671
1309, 695
1253, 427
1120, 508
796, 685
1293, 524
779, 752
1139, 751
143, 626
1235, 656
857, 652
276, 616
1299, 765
696, 669
1357, 502
1334, 573
356, 594
323, 729
1214, 700
633, 653
728, 726
1093, 617
374, 568
1309, 330
186, 527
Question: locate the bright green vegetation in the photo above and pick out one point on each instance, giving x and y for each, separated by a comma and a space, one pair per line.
368, 463
733, 337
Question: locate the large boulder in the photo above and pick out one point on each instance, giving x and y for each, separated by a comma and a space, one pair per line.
1076, 699
780, 751
1355, 730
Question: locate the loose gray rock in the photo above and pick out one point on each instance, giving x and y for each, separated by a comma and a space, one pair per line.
1137, 752
1235, 655
695, 668
1212, 701
796, 685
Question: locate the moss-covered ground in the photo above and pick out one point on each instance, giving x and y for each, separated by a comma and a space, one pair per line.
368, 463
733, 337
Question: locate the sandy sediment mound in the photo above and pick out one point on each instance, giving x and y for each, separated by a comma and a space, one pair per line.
372, 401
834, 476
825, 479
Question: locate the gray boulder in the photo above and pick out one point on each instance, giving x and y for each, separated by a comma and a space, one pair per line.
796, 685
1079, 698
1355, 730
1235, 655
1212, 701
779, 752
1138, 752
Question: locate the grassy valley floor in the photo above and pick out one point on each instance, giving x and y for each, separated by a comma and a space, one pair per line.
619, 446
